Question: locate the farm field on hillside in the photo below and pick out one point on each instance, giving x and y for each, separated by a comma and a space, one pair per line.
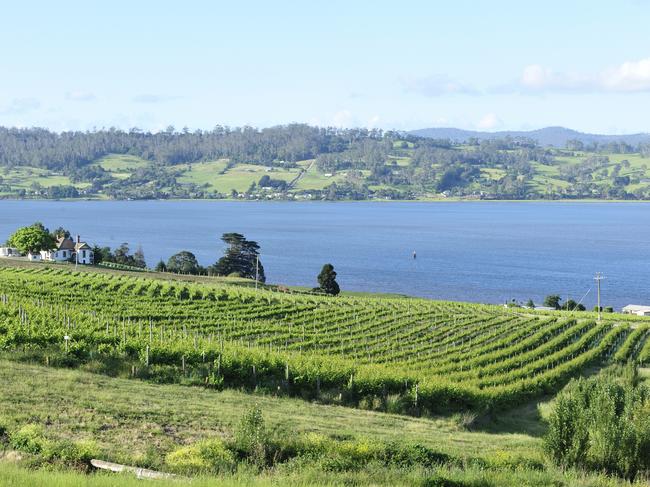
403, 355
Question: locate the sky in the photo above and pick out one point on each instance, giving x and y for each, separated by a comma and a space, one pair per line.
482, 65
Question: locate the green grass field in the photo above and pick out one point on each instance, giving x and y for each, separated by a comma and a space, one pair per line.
220, 177
242, 176
203, 173
23, 177
121, 166
137, 423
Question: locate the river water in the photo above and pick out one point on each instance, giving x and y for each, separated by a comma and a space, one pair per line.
467, 251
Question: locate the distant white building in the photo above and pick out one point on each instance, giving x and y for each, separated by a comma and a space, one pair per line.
9, 252
33, 256
68, 250
544, 308
84, 253
637, 309
63, 251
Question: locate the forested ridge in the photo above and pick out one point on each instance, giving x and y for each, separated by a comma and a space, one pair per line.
311, 162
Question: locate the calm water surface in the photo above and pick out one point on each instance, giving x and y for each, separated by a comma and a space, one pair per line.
470, 251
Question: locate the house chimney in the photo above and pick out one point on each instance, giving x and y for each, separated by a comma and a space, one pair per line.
78, 239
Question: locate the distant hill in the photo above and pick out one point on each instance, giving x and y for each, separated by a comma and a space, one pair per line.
553, 136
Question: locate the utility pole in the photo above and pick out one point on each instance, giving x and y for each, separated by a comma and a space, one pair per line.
257, 270
599, 277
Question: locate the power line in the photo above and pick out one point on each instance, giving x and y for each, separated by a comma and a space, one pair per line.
599, 277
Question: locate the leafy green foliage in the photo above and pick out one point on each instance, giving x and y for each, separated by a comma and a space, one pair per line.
33, 238
183, 262
251, 438
207, 456
602, 423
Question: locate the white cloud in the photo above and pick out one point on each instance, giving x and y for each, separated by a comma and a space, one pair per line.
489, 122
632, 76
438, 85
629, 77
19, 106
80, 96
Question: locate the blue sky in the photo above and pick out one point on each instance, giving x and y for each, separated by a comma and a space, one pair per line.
412, 64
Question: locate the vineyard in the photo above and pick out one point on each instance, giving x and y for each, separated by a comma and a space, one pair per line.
402, 355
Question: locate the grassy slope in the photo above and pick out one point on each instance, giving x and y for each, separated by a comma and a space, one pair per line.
23, 177
202, 173
128, 418
137, 423
242, 176
215, 176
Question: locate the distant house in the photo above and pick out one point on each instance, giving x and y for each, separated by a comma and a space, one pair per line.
68, 250
9, 252
544, 308
84, 253
63, 251
637, 309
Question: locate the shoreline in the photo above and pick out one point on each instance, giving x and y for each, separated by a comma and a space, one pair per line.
379, 201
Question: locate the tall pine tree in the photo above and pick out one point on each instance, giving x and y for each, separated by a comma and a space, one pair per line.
241, 257
327, 280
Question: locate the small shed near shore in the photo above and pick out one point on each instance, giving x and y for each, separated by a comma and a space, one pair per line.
637, 309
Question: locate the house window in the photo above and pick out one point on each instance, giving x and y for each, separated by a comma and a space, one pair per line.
84, 254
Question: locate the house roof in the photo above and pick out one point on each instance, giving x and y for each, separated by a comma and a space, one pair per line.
65, 244
636, 307
82, 245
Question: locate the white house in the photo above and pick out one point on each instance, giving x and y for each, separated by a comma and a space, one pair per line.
637, 309
68, 250
63, 251
84, 253
9, 252
33, 256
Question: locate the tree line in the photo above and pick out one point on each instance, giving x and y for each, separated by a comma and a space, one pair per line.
241, 257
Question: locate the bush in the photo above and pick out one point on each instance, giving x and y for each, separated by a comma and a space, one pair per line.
70, 452
251, 438
207, 456
602, 423
28, 439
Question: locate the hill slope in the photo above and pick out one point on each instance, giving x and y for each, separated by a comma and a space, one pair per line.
310, 163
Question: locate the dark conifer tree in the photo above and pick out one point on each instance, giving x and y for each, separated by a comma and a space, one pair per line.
241, 257
327, 280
